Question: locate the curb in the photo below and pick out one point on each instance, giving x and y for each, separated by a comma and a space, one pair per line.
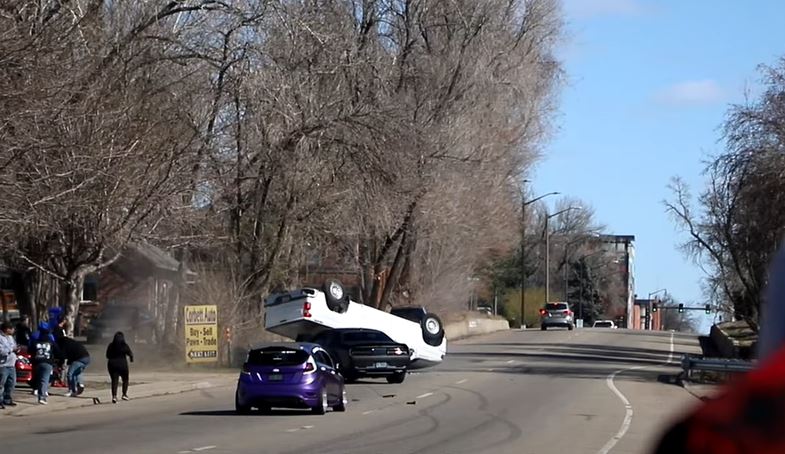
695, 392
25, 408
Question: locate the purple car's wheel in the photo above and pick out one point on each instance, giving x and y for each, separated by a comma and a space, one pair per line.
321, 407
342, 405
238, 407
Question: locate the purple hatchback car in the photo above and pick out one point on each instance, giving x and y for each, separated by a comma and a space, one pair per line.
290, 375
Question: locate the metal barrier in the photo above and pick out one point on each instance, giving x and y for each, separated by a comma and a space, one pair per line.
691, 363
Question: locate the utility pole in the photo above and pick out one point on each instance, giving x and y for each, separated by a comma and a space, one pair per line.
648, 308
524, 204
548, 251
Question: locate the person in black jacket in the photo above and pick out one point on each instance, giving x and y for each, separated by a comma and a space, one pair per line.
117, 364
78, 359
45, 354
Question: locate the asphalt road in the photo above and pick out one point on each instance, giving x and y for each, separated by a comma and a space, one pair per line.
512, 392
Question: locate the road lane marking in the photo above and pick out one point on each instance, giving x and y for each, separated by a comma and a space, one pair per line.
459, 382
368, 412
292, 430
423, 396
628, 411
204, 448
510, 361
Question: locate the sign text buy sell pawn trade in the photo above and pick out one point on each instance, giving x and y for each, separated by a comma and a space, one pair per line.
201, 333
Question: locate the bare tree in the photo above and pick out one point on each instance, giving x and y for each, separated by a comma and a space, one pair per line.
740, 219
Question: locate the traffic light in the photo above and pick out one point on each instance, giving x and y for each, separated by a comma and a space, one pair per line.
708, 309
654, 307
681, 308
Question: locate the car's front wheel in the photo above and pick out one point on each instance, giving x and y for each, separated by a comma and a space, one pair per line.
543, 328
240, 408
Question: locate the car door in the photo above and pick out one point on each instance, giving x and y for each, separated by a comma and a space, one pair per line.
332, 379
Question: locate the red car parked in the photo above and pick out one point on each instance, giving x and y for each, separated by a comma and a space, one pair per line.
24, 371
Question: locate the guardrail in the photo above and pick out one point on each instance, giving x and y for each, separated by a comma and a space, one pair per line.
691, 363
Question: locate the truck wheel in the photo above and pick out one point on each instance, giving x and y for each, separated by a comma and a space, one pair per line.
334, 293
432, 330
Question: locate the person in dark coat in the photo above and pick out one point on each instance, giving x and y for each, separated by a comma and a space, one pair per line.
78, 359
23, 332
116, 353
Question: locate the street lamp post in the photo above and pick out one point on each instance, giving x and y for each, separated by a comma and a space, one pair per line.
524, 204
648, 309
548, 251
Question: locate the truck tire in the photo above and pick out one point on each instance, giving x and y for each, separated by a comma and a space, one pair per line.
432, 330
334, 293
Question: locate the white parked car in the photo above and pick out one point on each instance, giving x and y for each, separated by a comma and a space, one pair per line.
604, 324
303, 313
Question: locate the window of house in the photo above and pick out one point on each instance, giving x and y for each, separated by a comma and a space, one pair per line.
90, 289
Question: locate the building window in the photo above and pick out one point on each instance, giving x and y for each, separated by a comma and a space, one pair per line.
5, 281
90, 289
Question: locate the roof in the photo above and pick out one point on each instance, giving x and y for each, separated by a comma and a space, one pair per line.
617, 238
155, 255
142, 259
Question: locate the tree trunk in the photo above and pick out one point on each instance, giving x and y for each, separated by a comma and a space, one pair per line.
172, 309
71, 296
31, 284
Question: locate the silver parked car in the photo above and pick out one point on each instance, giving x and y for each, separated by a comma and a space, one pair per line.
557, 314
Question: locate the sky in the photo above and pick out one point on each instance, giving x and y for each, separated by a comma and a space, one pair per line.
648, 84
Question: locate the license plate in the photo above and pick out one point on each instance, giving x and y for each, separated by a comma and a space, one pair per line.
275, 377
380, 365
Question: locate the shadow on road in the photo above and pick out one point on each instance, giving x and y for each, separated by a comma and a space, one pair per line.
253, 413
587, 361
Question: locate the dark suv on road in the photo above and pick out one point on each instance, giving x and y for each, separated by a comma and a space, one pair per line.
365, 353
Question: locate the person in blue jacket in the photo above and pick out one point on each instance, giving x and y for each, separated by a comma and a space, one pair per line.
42, 327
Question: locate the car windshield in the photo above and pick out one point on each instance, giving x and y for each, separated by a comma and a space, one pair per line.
277, 357
365, 336
556, 307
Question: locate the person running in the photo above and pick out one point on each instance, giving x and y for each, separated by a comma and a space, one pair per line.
78, 359
116, 353
8, 351
44, 354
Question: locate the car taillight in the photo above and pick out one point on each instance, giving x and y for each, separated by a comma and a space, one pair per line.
397, 351
245, 370
307, 309
542, 312
567, 313
310, 367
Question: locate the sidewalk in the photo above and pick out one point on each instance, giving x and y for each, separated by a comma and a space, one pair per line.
97, 391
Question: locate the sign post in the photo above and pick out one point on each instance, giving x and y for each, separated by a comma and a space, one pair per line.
201, 334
